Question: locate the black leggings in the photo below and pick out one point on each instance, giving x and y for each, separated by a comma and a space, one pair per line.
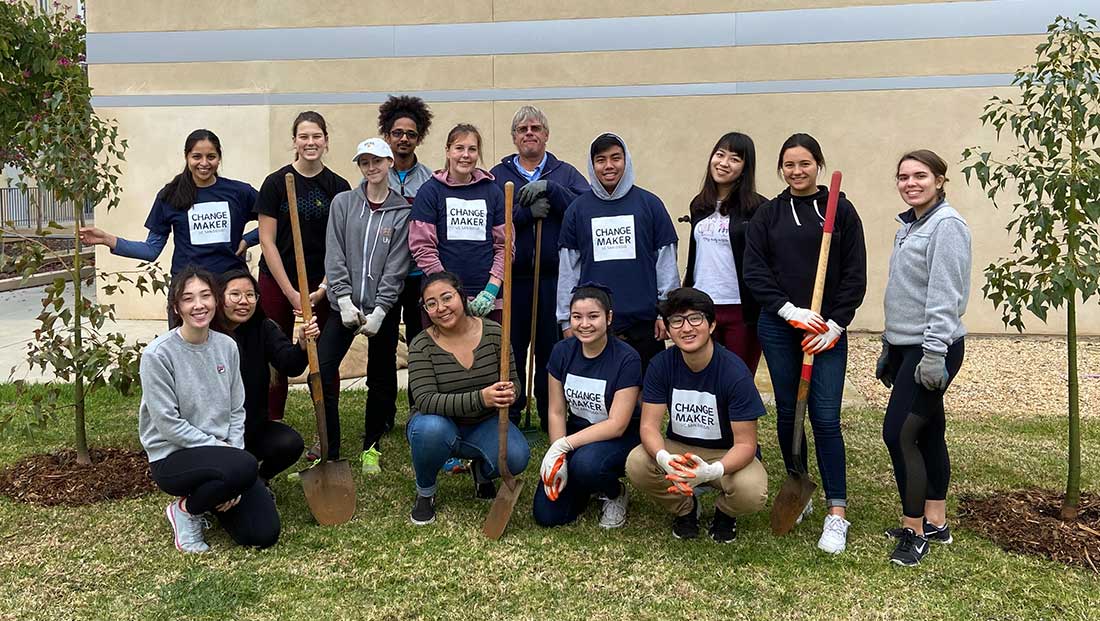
275, 445
914, 429
207, 476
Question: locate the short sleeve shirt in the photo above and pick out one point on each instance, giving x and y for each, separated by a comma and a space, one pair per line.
590, 384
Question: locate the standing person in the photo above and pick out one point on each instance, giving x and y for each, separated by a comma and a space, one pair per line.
922, 348
454, 375
545, 186
366, 262
619, 233
595, 380
192, 424
713, 405
457, 224
781, 253
315, 185
263, 346
719, 217
404, 121
205, 213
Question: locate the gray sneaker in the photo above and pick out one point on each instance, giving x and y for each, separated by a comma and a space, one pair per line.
614, 509
186, 528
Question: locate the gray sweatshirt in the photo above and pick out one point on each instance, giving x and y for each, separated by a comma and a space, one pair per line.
929, 281
367, 251
191, 395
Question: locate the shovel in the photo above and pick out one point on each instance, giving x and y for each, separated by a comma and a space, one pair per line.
528, 430
510, 487
328, 486
798, 488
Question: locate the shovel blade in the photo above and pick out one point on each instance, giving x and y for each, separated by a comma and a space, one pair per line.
789, 502
501, 511
330, 492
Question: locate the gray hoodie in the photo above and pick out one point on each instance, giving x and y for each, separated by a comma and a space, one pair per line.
367, 251
929, 281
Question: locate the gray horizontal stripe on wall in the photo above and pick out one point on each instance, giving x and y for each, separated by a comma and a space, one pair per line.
839, 24
566, 92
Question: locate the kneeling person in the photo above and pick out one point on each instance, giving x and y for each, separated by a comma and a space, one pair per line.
711, 436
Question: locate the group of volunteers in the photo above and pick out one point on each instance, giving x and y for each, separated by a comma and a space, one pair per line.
427, 249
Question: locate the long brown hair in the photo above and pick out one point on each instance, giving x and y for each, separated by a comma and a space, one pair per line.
934, 163
179, 282
743, 197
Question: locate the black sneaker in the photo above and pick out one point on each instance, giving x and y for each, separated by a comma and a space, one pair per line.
936, 534
485, 490
687, 526
423, 511
910, 550
723, 528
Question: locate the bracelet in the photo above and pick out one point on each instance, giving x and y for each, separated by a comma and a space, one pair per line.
322, 287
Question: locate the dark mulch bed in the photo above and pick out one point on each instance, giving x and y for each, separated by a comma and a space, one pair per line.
1029, 521
58, 480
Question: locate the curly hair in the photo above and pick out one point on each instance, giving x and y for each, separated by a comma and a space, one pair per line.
404, 106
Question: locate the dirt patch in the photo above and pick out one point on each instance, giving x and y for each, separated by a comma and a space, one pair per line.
56, 479
1028, 521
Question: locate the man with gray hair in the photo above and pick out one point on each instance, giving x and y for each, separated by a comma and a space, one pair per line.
545, 186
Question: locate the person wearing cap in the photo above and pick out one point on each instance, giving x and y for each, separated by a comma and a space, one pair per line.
545, 186
366, 262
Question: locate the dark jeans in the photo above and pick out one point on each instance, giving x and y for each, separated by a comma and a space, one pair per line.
914, 429
275, 445
547, 334
208, 476
593, 469
408, 304
381, 407
782, 346
640, 336
434, 439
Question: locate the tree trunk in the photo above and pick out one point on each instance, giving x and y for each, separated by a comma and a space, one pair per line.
82, 455
1073, 481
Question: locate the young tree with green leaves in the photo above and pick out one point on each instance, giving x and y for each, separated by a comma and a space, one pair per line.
1053, 178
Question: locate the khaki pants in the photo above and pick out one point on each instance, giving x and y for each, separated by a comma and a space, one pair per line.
740, 493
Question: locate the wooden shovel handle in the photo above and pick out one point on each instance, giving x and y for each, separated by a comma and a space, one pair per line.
505, 334
530, 368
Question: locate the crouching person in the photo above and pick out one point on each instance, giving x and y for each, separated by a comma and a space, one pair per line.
192, 422
711, 437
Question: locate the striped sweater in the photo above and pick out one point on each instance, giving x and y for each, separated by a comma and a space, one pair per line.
440, 385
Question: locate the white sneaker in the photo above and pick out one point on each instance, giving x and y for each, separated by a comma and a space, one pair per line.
186, 529
834, 534
806, 511
614, 510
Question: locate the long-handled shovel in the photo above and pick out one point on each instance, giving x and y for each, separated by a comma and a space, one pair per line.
528, 430
798, 488
510, 487
328, 486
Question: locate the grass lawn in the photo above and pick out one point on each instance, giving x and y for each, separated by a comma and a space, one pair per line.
116, 561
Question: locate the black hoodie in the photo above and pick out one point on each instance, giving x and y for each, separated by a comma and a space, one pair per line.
783, 241
262, 343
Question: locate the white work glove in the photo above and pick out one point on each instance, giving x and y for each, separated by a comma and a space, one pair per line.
350, 315
555, 469
803, 318
482, 304
373, 322
693, 471
818, 343
931, 371
666, 461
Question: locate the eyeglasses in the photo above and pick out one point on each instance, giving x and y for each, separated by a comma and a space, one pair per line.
677, 321
432, 304
523, 129
237, 296
396, 134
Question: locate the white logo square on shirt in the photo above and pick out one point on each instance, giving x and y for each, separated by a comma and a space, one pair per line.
585, 396
209, 223
694, 414
466, 219
613, 238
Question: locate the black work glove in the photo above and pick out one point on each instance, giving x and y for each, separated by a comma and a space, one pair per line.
882, 368
533, 191
540, 208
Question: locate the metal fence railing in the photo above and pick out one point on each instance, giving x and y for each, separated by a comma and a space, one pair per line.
33, 209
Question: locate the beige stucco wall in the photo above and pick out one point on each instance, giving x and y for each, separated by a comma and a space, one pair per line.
862, 133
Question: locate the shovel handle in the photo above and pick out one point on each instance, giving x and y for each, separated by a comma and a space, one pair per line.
505, 335
529, 370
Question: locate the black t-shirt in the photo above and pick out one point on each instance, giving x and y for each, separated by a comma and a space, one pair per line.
315, 194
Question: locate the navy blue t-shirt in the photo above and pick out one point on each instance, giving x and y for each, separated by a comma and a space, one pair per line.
207, 234
618, 242
591, 383
702, 405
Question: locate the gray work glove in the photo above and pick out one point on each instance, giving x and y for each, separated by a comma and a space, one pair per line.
882, 368
540, 208
532, 191
931, 371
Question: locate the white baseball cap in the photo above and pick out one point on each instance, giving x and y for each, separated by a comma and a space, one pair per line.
373, 146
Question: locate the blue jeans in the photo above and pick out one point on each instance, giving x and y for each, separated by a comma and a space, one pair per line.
782, 346
434, 439
593, 469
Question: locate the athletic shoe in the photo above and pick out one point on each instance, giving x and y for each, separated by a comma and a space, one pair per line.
370, 460
455, 465
933, 533
806, 511
423, 511
186, 528
834, 534
723, 528
485, 490
613, 514
910, 550
687, 526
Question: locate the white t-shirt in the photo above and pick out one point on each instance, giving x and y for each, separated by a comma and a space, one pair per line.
715, 268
